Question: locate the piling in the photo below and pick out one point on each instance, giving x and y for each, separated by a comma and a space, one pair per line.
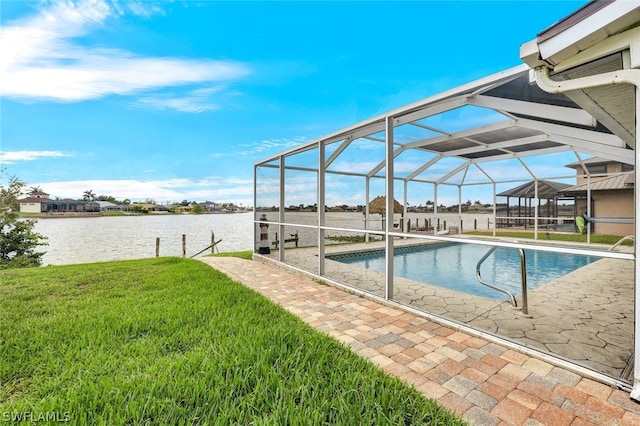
263, 248
157, 246
184, 245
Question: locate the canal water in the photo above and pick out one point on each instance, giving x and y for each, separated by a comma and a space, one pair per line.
104, 238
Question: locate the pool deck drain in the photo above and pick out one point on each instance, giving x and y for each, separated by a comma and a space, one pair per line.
484, 382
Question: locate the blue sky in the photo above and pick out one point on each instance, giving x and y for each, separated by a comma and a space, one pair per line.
177, 100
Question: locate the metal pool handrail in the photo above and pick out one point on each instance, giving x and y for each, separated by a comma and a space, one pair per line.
523, 276
625, 238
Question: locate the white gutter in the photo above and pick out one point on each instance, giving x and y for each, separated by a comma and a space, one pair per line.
626, 76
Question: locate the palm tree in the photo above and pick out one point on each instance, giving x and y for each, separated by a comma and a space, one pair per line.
34, 190
89, 195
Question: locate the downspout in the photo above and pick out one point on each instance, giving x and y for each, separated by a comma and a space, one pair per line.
627, 76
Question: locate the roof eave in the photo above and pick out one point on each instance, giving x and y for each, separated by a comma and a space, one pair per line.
580, 30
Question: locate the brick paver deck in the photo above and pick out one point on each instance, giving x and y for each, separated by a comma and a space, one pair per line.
485, 383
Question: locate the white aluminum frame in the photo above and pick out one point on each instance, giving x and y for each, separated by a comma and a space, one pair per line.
569, 139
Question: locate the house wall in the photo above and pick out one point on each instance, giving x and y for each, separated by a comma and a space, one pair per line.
30, 207
613, 167
618, 203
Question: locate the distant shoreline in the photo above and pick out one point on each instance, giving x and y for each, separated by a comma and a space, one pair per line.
68, 215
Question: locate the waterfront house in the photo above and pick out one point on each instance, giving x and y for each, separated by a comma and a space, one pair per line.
69, 205
107, 206
33, 203
46, 205
208, 206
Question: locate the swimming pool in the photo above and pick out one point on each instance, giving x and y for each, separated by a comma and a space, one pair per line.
453, 266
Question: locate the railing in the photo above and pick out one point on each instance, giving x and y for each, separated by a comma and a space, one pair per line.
561, 223
523, 277
625, 238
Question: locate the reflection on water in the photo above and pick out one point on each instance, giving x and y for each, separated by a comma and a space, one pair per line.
308, 236
98, 239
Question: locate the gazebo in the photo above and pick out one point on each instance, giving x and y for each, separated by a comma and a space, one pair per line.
533, 190
379, 206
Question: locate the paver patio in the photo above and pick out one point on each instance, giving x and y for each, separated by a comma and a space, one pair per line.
585, 316
485, 382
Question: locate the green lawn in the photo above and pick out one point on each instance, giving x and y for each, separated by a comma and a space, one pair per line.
246, 254
556, 236
172, 341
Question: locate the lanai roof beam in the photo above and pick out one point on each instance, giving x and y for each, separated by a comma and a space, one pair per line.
433, 129
535, 109
424, 167
337, 152
424, 143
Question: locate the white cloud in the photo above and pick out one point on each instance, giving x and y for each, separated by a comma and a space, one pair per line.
270, 145
42, 59
195, 101
10, 157
145, 9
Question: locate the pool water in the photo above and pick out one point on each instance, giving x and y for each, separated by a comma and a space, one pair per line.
453, 266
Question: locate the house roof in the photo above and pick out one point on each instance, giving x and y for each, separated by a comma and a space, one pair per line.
573, 19
72, 201
589, 161
581, 30
617, 182
33, 200
546, 189
50, 201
